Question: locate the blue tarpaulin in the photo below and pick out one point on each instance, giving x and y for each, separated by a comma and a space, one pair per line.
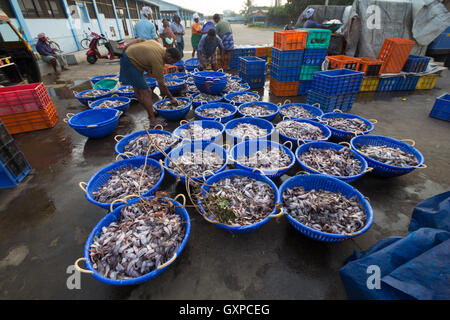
416, 266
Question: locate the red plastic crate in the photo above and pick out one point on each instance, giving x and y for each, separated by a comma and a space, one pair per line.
290, 40
24, 98
394, 53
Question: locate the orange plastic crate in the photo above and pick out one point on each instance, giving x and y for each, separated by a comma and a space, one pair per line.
394, 53
31, 121
261, 52
168, 68
370, 67
342, 62
283, 89
290, 40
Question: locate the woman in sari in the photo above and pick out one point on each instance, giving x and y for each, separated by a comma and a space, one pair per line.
167, 36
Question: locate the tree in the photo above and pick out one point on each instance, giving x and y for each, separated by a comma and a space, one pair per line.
246, 12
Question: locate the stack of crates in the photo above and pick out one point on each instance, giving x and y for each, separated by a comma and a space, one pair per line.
335, 89
26, 108
252, 70
13, 165
286, 62
372, 68
317, 44
236, 53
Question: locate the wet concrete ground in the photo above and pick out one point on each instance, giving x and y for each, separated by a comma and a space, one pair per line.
46, 220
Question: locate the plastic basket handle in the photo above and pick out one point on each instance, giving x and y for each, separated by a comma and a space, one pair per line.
368, 170
413, 143
92, 126
281, 213
374, 121
83, 186
81, 269
344, 143
205, 172
292, 145
171, 260
422, 166
260, 170
183, 122
337, 110
158, 126
68, 116
302, 172
182, 196
287, 101
118, 137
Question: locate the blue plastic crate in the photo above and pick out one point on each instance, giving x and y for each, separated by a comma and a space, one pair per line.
304, 87
284, 73
252, 66
291, 58
407, 83
13, 171
328, 103
337, 82
388, 84
442, 42
314, 56
441, 108
416, 64
254, 81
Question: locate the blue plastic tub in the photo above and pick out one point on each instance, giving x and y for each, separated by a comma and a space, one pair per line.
176, 75
206, 124
151, 82
209, 75
95, 123
113, 217
130, 95
173, 115
337, 82
102, 176
96, 79
197, 103
86, 101
321, 182
120, 145
230, 96
224, 105
341, 135
297, 142
315, 112
250, 147
123, 107
175, 89
214, 86
268, 105
196, 147
328, 145
229, 174
255, 121
179, 65
191, 64
381, 169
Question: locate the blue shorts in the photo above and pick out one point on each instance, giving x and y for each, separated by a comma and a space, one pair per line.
130, 75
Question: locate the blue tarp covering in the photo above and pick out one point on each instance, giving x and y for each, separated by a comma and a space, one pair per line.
416, 266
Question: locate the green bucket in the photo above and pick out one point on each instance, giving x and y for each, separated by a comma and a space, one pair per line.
111, 84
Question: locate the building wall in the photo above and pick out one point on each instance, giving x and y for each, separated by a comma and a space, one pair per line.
58, 29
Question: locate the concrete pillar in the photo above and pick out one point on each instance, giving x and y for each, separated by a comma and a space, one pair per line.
117, 19
94, 4
21, 21
69, 19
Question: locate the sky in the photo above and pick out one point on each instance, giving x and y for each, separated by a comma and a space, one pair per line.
210, 7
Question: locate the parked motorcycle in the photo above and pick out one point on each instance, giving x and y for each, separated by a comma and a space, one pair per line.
115, 48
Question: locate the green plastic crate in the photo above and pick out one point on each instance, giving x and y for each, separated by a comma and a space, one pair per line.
317, 38
308, 71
